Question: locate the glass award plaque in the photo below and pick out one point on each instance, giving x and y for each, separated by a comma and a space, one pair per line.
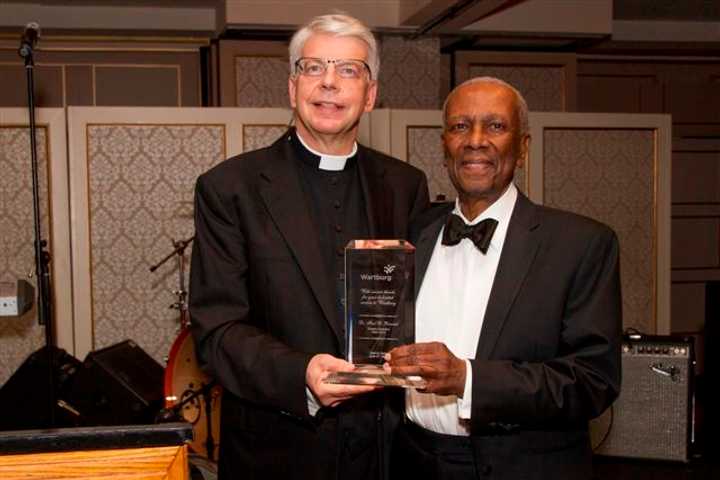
379, 310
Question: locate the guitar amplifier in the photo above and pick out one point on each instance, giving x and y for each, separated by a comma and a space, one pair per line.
652, 417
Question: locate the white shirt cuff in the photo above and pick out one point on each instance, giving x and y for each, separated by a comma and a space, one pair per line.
464, 403
312, 403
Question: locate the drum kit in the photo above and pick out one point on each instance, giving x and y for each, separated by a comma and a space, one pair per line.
190, 394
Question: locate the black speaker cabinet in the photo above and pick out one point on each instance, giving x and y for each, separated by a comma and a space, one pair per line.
24, 398
118, 385
652, 417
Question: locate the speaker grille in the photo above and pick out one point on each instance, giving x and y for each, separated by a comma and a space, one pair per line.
651, 419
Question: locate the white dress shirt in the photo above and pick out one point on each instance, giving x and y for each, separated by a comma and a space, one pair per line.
450, 308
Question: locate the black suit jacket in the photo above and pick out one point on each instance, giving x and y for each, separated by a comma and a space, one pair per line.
262, 305
548, 357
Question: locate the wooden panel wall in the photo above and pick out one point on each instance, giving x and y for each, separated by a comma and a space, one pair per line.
615, 168
688, 90
685, 88
547, 81
252, 74
103, 78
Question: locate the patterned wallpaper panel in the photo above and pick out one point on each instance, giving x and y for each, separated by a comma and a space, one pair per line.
409, 73
425, 151
261, 81
609, 175
20, 336
141, 180
543, 87
259, 136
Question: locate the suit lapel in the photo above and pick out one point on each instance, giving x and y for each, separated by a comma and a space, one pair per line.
378, 205
285, 201
519, 252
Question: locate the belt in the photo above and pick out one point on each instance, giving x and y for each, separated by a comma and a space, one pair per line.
436, 442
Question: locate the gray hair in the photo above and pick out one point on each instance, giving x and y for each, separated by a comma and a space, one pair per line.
521, 107
338, 25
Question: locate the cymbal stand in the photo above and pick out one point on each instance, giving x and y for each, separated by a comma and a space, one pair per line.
181, 292
173, 413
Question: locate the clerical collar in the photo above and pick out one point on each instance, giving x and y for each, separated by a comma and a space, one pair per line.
333, 163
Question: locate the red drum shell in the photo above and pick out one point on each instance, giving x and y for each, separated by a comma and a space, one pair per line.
183, 377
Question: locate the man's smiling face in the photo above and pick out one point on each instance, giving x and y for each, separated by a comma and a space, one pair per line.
483, 144
328, 108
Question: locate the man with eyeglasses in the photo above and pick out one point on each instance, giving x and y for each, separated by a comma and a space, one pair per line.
266, 282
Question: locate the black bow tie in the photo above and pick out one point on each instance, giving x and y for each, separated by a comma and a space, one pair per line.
480, 234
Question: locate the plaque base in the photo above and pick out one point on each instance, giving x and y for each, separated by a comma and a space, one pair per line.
374, 375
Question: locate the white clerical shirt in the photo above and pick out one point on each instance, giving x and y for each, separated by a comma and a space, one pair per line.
450, 308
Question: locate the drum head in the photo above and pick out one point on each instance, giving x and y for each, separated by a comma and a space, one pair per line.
185, 381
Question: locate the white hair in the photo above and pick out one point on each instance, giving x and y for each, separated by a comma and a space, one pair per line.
338, 25
521, 107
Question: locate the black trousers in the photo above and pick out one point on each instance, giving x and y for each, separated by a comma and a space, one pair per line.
419, 454
265, 444
491, 455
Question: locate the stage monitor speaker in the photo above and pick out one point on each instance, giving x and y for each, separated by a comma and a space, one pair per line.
118, 385
652, 416
24, 398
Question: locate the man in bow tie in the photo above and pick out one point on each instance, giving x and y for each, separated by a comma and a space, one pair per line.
518, 314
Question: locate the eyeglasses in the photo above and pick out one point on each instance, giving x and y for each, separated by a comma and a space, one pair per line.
344, 68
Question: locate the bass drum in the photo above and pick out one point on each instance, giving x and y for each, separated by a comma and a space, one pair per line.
200, 397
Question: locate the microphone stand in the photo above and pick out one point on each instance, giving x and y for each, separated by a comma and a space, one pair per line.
181, 304
42, 257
